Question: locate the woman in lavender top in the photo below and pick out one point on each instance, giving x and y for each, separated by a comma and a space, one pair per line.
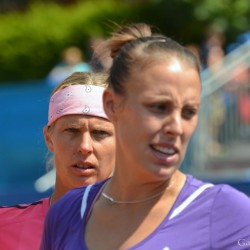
153, 100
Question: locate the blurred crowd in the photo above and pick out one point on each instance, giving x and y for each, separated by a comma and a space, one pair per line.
228, 107
73, 60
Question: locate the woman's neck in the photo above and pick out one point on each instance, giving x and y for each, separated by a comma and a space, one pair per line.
57, 194
140, 188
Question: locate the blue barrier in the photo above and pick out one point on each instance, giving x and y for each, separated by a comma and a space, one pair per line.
24, 108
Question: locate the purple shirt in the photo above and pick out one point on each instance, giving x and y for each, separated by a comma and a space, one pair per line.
217, 218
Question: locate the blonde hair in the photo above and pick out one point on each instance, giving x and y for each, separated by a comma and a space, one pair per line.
84, 78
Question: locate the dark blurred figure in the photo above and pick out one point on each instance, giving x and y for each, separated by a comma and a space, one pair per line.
66, 2
101, 60
214, 37
241, 82
243, 38
195, 49
13, 5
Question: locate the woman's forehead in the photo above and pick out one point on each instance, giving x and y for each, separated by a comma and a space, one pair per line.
76, 118
161, 69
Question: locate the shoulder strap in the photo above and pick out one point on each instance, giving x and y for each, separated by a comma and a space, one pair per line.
84, 199
189, 200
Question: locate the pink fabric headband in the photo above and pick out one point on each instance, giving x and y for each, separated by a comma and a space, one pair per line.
76, 99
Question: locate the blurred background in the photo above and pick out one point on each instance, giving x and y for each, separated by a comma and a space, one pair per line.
43, 41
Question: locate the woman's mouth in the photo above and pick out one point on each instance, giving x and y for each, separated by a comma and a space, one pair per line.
166, 154
84, 169
164, 150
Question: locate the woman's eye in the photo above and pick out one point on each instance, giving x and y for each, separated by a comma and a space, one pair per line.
159, 108
100, 133
71, 130
189, 113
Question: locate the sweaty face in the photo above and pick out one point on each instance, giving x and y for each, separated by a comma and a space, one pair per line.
84, 150
158, 116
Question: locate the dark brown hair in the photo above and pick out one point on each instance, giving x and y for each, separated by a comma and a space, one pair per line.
134, 46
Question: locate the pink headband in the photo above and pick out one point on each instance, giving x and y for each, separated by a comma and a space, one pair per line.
76, 99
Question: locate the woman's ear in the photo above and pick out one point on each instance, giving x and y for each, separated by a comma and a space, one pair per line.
47, 137
109, 104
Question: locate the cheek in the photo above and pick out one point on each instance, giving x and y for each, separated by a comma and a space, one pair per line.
189, 130
135, 126
106, 159
106, 151
150, 126
62, 147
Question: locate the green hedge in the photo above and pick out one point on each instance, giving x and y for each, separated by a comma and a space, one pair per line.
31, 42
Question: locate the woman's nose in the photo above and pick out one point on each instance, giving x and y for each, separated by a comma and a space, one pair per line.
85, 144
173, 124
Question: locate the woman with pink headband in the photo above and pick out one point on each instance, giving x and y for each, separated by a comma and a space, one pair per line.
81, 138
